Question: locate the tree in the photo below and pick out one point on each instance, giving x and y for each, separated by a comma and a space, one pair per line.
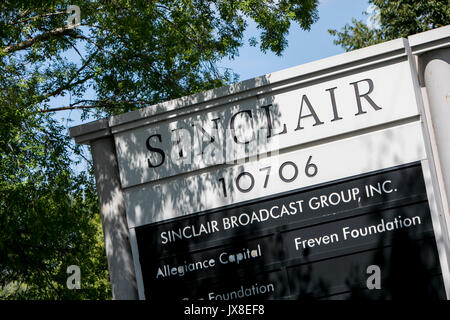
392, 20
130, 55
140, 54
49, 215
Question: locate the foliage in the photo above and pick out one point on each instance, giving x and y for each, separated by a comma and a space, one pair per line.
49, 217
131, 54
139, 53
394, 19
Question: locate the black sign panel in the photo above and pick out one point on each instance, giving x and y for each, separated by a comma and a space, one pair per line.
314, 243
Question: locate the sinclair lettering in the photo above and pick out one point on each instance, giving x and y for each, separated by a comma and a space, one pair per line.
213, 147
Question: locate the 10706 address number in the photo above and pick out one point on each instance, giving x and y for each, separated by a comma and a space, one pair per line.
310, 171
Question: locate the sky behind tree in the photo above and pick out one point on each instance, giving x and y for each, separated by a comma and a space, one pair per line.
303, 46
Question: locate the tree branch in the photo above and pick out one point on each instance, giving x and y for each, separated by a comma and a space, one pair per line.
108, 104
78, 107
42, 37
67, 86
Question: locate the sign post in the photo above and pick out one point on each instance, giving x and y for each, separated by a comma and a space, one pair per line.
112, 212
306, 183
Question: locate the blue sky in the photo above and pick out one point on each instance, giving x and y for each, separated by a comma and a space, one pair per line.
303, 47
